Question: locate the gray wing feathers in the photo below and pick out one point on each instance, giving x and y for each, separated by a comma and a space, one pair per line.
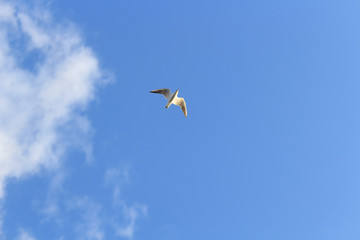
164, 91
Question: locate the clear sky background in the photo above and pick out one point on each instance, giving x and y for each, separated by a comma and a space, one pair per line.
270, 148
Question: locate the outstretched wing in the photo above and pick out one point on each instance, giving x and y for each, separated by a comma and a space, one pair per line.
164, 91
181, 103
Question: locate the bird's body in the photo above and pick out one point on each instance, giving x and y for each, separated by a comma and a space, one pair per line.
172, 98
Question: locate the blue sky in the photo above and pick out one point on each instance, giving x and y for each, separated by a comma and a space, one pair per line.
269, 150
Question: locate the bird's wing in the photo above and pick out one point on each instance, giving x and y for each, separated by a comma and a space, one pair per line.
164, 91
181, 102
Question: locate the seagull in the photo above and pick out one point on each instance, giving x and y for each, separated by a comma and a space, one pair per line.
172, 98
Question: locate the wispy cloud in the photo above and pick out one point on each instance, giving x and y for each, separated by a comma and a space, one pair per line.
2, 236
48, 77
24, 235
116, 178
91, 218
131, 214
50, 208
91, 224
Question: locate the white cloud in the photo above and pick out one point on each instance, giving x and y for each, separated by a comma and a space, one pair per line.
93, 219
116, 177
23, 235
2, 236
91, 224
48, 76
131, 215
51, 208
7, 13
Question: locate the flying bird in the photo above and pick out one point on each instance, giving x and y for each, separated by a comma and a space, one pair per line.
172, 99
